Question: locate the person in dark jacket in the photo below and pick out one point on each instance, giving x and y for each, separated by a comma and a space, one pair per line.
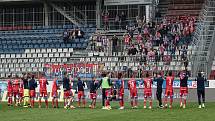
201, 89
159, 81
93, 88
80, 86
33, 86
68, 95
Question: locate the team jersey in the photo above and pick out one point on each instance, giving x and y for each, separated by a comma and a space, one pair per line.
80, 85
43, 82
21, 87
169, 82
66, 84
55, 85
183, 80
132, 85
16, 84
147, 84
9, 86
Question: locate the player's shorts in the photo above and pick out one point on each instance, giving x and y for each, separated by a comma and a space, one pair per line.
9, 93
26, 92
168, 92
183, 91
32, 93
43, 93
16, 94
121, 94
108, 93
93, 95
54, 94
133, 94
147, 94
81, 94
21, 94
68, 94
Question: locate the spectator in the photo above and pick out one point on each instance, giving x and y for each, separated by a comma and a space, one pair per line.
106, 19
139, 38
65, 36
132, 50
117, 21
80, 34
114, 43
123, 20
139, 24
127, 40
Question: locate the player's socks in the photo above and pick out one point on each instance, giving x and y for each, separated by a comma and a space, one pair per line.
53, 103
46, 101
144, 103
132, 103
57, 103
79, 103
181, 104
150, 103
171, 100
84, 102
39, 103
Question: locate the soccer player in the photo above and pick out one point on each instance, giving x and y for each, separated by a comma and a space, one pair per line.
16, 84
21, 92
93, 88
132, 87
201, 89
105, 83
159, 81
68, 95
148, 90
43, 90
183, 89
120, 87
26, 90
55, 87
33, 86
9, 91
80, 86
169, 89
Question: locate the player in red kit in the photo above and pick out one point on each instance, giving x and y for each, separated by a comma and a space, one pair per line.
148, 90
21, 92
9, 91
16, 84
169, 89
55, 93
43, 90
183, 89
132, 86
120, 86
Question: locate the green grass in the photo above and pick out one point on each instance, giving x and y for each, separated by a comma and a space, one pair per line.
191, 113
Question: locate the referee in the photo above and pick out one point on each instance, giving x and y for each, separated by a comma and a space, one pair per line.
159, 81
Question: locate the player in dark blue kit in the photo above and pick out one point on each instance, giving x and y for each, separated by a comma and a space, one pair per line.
80, 86
183, 88
68, 95
93, 95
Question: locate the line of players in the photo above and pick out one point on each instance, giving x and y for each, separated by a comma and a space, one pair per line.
24, 91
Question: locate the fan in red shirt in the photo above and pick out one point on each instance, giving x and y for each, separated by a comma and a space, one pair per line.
54, 93
43, 90
132, 86
16, 84
148, 90
9, 91
169, 89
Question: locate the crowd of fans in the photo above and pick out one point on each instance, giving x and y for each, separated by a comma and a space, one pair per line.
70, 35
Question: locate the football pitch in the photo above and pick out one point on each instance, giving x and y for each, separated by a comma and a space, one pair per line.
191, 113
